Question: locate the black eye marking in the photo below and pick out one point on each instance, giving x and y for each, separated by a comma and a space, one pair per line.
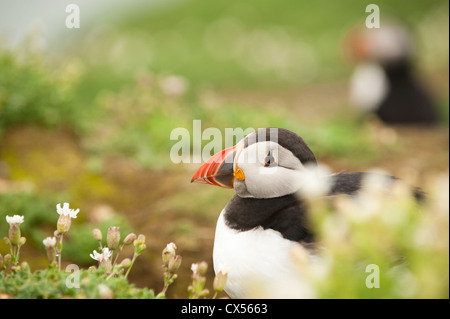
269, 160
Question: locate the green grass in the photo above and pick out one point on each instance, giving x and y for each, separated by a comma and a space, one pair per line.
34, 93
98, 88
241, 45
51, 284
406, 241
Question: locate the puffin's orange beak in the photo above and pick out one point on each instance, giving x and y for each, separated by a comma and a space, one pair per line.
218, 170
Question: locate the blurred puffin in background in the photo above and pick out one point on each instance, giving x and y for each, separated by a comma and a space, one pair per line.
272, 172
383, 81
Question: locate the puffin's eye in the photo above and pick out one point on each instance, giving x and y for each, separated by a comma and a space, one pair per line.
269, 160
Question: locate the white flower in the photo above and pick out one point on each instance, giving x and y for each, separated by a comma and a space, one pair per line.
65, 210
49, 242
224, 269
16, 219
96, 255
173, 85
171, 247
194, 268
105, 255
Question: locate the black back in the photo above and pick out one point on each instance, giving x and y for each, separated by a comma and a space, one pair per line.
350, 184
406, 102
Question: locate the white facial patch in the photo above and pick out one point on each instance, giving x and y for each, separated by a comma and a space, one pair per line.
256, 153
267, 181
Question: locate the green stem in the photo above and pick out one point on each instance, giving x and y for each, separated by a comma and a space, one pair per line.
163, 291
17, 254
111, 274
11, 251
59, 250
132, 262
169, 278
167, 282
14, 259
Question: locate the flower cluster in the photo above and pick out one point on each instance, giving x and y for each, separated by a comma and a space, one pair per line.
104, 259
62, 227
171, 264
197, 288
14, 241
50, 247
65, 217
109, 255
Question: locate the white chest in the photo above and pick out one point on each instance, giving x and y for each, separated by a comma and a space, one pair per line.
260, 263
368, 87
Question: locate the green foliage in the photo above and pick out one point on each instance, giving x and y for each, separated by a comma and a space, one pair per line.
388, 230
79, 244
40, 216
106, 281
139, 121
40, 211
251, 44
341, 139
31, 93
51, 284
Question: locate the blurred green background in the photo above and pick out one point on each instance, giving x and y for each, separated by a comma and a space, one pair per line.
86, 116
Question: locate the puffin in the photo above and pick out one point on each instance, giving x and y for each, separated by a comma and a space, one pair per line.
267, 219
384, 82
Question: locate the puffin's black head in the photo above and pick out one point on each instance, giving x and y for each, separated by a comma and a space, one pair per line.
268, 163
